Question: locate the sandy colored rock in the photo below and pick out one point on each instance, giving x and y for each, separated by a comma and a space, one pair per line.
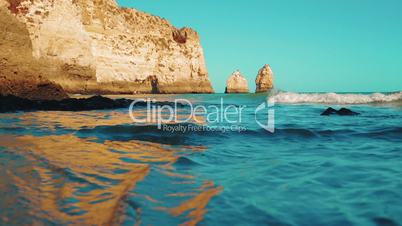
98, 47
21, 74
264, 80
236, 83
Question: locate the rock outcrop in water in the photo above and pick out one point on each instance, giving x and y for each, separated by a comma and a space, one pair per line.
342, 112
96, 47
264, 80
11, 103
236, 83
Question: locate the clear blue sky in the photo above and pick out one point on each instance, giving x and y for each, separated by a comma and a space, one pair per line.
311, 45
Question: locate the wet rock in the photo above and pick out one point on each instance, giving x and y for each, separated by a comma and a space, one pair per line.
329, 111
345, 111
341, 112
11, 103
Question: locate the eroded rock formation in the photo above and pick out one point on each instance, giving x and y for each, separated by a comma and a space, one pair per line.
97, 47
236, 83
264, 80
21, 74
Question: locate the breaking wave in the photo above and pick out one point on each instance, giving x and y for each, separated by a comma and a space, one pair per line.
336, 98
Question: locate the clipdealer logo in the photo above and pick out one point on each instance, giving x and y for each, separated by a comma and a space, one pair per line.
222, 117
268, 106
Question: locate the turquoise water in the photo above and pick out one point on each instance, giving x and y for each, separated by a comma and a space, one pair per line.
100, 168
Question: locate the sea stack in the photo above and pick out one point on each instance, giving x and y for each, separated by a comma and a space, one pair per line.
97, 47
236, 83
264, 80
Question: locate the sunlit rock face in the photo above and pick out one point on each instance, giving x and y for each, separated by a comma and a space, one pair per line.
264, 80
236, 83
21, 74
102, 48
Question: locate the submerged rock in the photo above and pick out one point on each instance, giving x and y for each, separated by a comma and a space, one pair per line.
341, 112
236, 83
382, 221
264, 80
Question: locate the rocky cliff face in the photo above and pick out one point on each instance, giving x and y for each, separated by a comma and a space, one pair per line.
236, 83
98, 47
21, 74
265, 79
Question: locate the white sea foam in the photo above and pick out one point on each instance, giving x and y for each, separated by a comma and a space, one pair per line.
335, 98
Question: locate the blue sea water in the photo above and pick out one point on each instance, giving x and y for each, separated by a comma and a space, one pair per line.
101, 168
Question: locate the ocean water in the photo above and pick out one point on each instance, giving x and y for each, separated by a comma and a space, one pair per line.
102, 168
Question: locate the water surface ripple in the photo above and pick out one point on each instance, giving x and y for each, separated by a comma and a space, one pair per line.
100, 168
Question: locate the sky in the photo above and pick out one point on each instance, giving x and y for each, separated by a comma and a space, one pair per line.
311, 45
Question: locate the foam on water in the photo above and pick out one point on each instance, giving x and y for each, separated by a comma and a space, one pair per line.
335, 98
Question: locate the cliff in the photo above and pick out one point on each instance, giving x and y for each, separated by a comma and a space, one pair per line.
236, 83
21, 74
97, 47
264, 80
